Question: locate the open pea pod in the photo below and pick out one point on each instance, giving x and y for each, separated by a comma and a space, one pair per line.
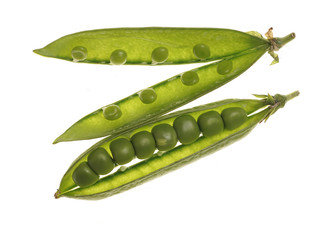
164, 145
167, 95
152, 45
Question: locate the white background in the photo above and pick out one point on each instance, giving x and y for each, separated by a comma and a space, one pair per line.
266, 186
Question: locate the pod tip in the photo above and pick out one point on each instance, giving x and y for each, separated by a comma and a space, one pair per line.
57, 194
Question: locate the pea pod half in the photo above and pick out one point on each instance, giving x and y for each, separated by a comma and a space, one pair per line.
153, 45
239, 117
165, 96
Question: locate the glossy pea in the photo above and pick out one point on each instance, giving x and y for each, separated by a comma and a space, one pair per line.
233, 117
112, 112
84, 176
165, 136
201, 51
159, 55
122, 151
144, 144
186, 128
100, 161
79, 53
147, 95
225, 67
190, 78
118, 57
210, 123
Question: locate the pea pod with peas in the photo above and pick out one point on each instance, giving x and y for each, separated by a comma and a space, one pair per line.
141, 141
156, 45
234, 51
169, 142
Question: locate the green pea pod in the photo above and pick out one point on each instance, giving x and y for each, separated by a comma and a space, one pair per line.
153, 45
161, 163
165, 96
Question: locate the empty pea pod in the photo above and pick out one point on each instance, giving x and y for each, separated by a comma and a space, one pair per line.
177, 156
166, 95
157, 45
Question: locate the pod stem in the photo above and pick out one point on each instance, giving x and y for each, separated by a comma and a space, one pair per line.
276, 102
277, 43
280, 42
291, 95
57, 194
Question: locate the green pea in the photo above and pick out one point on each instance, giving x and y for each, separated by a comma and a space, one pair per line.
100, 161
84, 176
225, 67
144, 144
147, 95
165, 136
201, 51
190, 78
122, 151
118, 57
112, 112
186, 129
79, 54
210, 123
159, 55
233, 117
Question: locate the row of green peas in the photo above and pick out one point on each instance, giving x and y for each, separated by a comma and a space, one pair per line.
158, 55
148, 95
163, 136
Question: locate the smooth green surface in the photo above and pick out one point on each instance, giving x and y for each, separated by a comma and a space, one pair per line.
122, 151
202, 51
210, 123
100, 161
190, 78
139, 43
165, 136
186, 128
118, 57
147, 95
171, 94
233, 117
144, 144
84, 176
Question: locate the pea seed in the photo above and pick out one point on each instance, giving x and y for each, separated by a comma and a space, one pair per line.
147, 95
225, 67
122, 151
112, 112
84, 176
201, 51
210, 123
186, 129
79, 54
165, 136
190, 78
100, 161
233, 117
159, 55
118, 57
144, 144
